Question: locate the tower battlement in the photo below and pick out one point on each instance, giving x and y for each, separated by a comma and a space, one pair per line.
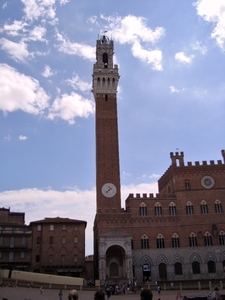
148, 196
177, 159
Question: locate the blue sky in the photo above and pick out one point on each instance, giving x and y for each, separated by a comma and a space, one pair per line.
171, 57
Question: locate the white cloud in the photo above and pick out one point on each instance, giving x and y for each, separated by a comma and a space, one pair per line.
37, 34
4, 5
154, 176
93, 20
181, 57
35, 9
14, 29
131, 29
48, 72
20, 92
198, 46
173, 89
18, 51
23, 138
124, 174
63, 2
8, 137
69, 107
79, 84
142, 188
153, 57
214, 12
82, 50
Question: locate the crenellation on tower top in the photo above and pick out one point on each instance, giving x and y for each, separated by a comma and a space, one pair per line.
223, 154
177, 158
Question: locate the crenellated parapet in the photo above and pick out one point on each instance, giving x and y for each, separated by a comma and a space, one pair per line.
177, 160
179, 171
149, 196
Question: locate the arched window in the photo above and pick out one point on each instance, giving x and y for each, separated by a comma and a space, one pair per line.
211, 266
218, 207
158, 209
189, 208
204, 208
105, 60
172, 209
178, 268
175, 241
187, 184
196, 267
208, 239
222, 237
144, 242
193, 240
143, 209
160, 241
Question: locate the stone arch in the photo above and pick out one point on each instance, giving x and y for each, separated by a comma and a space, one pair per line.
195, 257
146, 259
177, 258
210, 256
115, 262
162, 259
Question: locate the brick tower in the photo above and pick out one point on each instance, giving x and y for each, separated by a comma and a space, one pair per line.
105, 81
112, 246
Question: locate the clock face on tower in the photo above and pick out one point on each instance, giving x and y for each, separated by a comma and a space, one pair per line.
109, 190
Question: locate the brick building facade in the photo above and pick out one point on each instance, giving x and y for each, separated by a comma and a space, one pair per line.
179, 234
15, 241
58, 246
51, 245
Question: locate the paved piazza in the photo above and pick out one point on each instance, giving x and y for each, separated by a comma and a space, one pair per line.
20, 293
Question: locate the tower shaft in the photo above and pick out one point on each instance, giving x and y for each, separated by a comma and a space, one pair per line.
105, 82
